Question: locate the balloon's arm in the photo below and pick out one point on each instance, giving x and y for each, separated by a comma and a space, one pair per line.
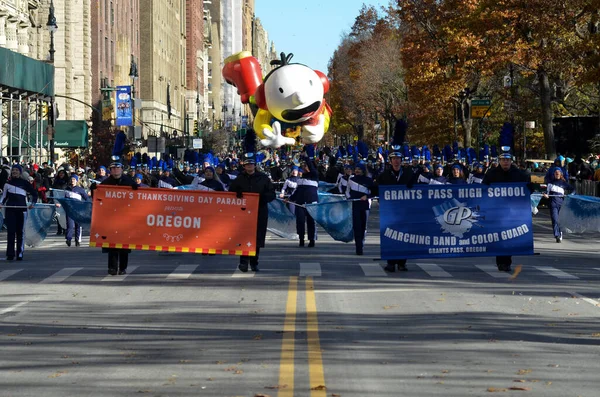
262, 121
327, 112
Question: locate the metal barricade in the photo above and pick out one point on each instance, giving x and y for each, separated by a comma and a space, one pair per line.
587, 188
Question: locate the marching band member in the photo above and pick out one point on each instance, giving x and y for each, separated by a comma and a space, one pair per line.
558, 187
425, 176
359, 189
397, 175
306, 193
457, 176
252, 181
14, 195
74, 192
117, 258
342, 180
477, 175
438, 176
507, 172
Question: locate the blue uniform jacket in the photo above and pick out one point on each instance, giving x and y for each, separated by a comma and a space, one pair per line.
80, 191
15, 193
308, 186
359, 186
557, 189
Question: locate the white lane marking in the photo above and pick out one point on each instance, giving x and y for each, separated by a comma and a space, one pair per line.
239, 274
373, 270
583, 298
7, 273
13, 307
597, 268
182, 272
367, 291
310, 269
433, 270
61, 275
130, 269
493, 271
557, 273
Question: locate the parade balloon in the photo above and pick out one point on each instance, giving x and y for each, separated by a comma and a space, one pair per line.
289, 102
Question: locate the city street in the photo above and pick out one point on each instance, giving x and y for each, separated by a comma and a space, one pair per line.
313, 322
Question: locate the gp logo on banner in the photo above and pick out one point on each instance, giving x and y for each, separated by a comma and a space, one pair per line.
174, 220
455, 221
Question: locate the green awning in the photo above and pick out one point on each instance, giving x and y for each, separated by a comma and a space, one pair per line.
71, 134
26, 74
68, 134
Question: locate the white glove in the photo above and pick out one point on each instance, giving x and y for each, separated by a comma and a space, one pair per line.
314, 133
274, 138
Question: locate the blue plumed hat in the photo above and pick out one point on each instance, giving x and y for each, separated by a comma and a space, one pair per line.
250, 147
398, 138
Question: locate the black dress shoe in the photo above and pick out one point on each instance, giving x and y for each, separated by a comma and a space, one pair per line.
301, 244
254, 268
122, 272
391, 268
243, 267
359, 252
19, 258
59, 233
10, 258
402, 268
69, 243
112, 272
504, 268
311, 243
77, 243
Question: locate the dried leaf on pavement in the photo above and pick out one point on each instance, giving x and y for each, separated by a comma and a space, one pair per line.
389, 307
276, 387
496, 390
257, 337
57, 374
520, 388
523, 371
261, 395
320, 387
518, 269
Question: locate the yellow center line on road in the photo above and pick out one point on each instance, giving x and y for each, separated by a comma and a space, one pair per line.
286, 365
315, 360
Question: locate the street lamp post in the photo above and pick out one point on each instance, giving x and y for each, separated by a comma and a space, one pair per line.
52, 28
133, 75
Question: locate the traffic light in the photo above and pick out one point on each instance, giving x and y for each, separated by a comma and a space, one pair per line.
196, 129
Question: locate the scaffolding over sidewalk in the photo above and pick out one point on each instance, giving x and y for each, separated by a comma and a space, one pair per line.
26, 97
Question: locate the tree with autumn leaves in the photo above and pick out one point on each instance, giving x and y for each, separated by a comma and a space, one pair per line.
426, 60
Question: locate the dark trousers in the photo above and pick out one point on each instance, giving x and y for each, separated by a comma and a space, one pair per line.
359, 224
303, 219
396, 262
554, 210
503, 260
117, 259
15, 225
252, 260
73, 230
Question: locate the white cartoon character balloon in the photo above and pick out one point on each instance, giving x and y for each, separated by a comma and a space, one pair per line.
290, 99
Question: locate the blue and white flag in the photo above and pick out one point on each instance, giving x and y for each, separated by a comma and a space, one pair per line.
580, 214
334, 214
61, 215
535, 201
282, 222
79, 211
455, 221
325, 186
39, 220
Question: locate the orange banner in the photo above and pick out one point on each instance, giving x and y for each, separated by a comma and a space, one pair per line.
174, 220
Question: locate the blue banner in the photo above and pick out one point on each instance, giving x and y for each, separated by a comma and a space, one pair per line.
282, 222
580, 214
79, 211
455, 221
124, 106
334, 214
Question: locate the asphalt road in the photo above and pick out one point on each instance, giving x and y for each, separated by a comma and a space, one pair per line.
313, 322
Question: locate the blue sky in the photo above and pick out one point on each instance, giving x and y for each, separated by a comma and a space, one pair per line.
310, 29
